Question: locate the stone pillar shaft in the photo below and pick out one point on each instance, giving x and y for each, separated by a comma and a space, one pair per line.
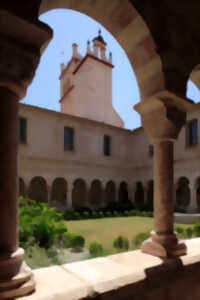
8, 172
69, 198
163, 187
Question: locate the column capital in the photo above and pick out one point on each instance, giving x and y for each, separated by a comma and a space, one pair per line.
163, 115
21, 44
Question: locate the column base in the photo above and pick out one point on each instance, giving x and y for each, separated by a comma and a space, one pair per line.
167, 247
18, 285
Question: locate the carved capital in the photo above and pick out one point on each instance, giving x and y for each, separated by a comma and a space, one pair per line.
163, 115
17, 66
20, 49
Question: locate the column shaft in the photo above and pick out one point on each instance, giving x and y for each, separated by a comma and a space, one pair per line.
163, 187
8, 172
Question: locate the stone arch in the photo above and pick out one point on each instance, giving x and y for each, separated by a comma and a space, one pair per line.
139, 194
183, 193
195, 76
96, 194
124, 22
110, 193
59, 193
38, 189
150, 194
22, 188
79, 194
123, 193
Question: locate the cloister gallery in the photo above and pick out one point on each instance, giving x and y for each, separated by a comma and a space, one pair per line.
163, 59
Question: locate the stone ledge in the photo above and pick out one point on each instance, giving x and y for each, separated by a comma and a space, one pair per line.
119, 276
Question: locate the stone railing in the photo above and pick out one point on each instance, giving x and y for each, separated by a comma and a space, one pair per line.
126, 276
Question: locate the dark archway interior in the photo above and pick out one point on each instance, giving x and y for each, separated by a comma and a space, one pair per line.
150, 194
110, 193
183, 193
22, 188
38, 189
123, 193
79, 194
139, 194
96, 194
59, 192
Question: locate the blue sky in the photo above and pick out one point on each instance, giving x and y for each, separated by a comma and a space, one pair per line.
70, 26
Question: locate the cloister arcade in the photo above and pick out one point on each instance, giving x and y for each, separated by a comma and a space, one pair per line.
83, 194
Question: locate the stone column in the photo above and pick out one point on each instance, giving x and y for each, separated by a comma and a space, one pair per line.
69, 196
163, 117
20, 43
193, 207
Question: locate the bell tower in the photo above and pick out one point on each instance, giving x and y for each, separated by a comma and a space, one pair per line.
86, 84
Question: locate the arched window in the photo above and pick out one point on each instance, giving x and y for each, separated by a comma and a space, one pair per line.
22, 188
59, 193
183, 193
38, 189
96, 194
79, 194
139, 194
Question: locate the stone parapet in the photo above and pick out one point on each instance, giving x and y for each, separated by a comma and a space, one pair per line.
130, 275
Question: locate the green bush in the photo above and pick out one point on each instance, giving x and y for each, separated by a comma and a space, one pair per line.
121, 243
100, 214
189, 232
94, 214
40, 222
76, 215
108, 214
77, 243
85, 215
67, 239
115, 213
197, 229
96, 249
126, 213
180, 231
139, 238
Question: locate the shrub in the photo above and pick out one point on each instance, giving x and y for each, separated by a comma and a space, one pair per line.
126, 213
67, 239
85, 214
96, 249
121, 243
139, 238
115, 213
100, 214
197, 229
189, 232
40, 222
76, 215
77, 243
180, 231
108, 214
94, 214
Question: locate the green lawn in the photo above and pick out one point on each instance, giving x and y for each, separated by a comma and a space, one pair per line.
105, 230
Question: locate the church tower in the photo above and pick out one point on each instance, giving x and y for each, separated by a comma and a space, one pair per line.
86, 84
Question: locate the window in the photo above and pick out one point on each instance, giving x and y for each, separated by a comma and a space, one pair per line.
22, 131
192, 133
68, 139
151, 150
107, 141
